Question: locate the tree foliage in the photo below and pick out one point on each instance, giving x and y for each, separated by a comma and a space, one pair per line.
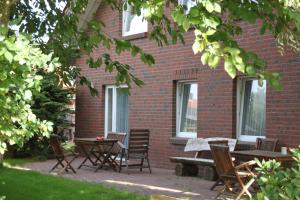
19, 62
53, 27
216, 24
49, 104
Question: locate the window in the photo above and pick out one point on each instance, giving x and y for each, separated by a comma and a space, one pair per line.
251, 110
188, 3
186, 117
132, 23
116, 109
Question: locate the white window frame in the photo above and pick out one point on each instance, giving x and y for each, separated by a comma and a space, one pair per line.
124, 33
179, 96
114, 107
239, 114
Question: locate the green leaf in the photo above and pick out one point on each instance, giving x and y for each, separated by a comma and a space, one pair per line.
194, 12
213, 61
8, 56
205, 57
229, 68
217, 7
197, 47
27, 95
209, 6
250, 70
186, 24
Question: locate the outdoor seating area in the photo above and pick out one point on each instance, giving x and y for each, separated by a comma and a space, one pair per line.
228, 166
109, 152
224, 170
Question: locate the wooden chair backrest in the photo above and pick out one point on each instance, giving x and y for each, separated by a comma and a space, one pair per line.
266, 144
218, 142
138, 142
116, 136
55, 144
207, 154
222, 159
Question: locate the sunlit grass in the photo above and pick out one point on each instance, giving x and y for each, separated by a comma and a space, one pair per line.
28, 185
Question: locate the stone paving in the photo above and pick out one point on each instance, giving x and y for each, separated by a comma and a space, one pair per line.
160, 182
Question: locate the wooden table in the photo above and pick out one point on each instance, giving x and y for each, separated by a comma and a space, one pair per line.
285, 159
99, 149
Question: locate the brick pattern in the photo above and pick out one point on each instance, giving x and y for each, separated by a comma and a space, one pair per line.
153, 106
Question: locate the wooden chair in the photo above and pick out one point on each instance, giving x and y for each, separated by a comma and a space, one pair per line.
61, 156
266, 144
102, 151
117, 148
231, 175
138, 146
218, 142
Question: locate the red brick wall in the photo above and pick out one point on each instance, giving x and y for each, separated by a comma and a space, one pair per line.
153, 106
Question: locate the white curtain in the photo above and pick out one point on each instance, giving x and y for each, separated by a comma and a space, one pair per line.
185, 99
122, 111
254, 109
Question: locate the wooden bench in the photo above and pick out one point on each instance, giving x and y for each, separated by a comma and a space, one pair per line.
203, 167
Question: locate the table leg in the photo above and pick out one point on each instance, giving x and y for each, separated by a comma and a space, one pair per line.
106, 154
87, 155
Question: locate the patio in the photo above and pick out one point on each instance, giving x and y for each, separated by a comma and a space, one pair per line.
160, 182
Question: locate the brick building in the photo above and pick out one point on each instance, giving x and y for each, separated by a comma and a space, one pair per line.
178, 82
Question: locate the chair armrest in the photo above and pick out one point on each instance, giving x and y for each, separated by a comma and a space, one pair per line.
245, 164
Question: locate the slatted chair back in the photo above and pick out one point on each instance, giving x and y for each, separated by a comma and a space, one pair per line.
218, 142
222, 159
138, 141
56, 147
116, 136
207, 154
266, 144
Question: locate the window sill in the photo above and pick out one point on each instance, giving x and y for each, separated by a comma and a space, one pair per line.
179, 140
135, 36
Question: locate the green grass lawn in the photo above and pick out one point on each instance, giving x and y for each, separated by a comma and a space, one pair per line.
27, 185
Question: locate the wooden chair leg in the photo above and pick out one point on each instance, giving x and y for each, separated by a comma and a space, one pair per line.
217, 183
121, 160
69, 164
142, 164
245, 188
147, 158
126, 163
54, 166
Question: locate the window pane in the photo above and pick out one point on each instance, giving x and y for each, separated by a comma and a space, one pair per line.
254, 109
133, 23
122, 111
109, 109
189, 108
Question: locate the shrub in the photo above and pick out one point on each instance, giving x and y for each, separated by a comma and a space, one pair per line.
49, 104
278, 183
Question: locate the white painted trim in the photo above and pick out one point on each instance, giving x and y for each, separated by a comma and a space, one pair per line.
249, 138
179, 96
124, 34
114, 107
